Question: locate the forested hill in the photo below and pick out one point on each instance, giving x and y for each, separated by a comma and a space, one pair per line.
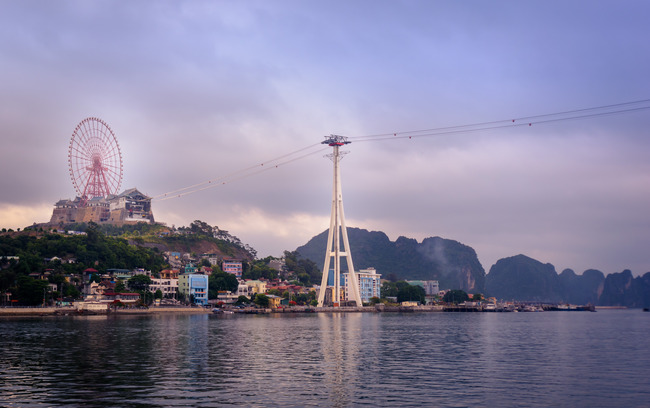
453, 264
105, 247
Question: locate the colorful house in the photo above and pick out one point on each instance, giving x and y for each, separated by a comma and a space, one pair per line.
194, 285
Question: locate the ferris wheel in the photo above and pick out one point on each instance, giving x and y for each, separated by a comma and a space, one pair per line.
95, 160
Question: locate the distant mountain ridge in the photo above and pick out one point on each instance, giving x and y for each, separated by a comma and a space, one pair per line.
456, 266
523, 278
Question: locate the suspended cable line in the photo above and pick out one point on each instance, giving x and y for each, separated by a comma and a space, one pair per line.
240, 174
525, 121
576, 114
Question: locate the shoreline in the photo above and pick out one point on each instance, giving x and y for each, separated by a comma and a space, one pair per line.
72, 311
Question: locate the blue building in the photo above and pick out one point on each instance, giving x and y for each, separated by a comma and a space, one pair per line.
194, 284
369, 282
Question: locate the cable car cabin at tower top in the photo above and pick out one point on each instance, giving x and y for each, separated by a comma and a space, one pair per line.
130, 206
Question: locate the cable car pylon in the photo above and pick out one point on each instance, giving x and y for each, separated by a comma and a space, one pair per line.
337, 231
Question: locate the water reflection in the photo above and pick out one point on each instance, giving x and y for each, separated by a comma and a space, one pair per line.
339, 360
340, 335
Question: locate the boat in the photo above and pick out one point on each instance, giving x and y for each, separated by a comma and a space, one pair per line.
489, 307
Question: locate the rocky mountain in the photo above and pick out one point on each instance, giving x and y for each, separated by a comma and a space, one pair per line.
622, 289
582, 289
523, 278
452, 264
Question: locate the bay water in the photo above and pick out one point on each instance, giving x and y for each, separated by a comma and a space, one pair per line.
547, 359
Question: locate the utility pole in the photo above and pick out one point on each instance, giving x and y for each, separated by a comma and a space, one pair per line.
338, 230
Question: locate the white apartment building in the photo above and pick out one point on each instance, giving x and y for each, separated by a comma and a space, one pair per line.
168, 287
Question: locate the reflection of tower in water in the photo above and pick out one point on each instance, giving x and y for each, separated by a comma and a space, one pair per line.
337, 231
341, 339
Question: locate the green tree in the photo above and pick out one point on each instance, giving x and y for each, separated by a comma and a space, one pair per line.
477, 297
148, 297
374, 300
260, 269
221, 281
158, 294
31, 292
242, 300
391, 289
139, 283
413, 293
262, 300
306, 270
455, 296
71, 291
119, 287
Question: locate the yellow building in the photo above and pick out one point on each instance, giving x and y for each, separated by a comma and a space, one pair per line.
274, 301
257, 286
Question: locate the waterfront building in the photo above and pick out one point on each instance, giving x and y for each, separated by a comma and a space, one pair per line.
226, 297
274, 301
369, 282
126, 298
431, 287
233, 266
194, 285
168, 286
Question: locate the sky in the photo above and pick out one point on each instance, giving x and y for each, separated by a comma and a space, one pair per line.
199, 90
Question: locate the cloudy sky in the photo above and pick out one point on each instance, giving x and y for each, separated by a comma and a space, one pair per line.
198, 90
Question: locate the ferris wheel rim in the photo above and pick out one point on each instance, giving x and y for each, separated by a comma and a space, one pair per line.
95, 159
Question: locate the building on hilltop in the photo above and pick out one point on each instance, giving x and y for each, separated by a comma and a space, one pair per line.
130, 206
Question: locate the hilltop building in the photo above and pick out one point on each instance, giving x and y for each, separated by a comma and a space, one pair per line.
130, 206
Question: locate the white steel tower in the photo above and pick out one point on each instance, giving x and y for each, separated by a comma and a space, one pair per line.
338, 230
